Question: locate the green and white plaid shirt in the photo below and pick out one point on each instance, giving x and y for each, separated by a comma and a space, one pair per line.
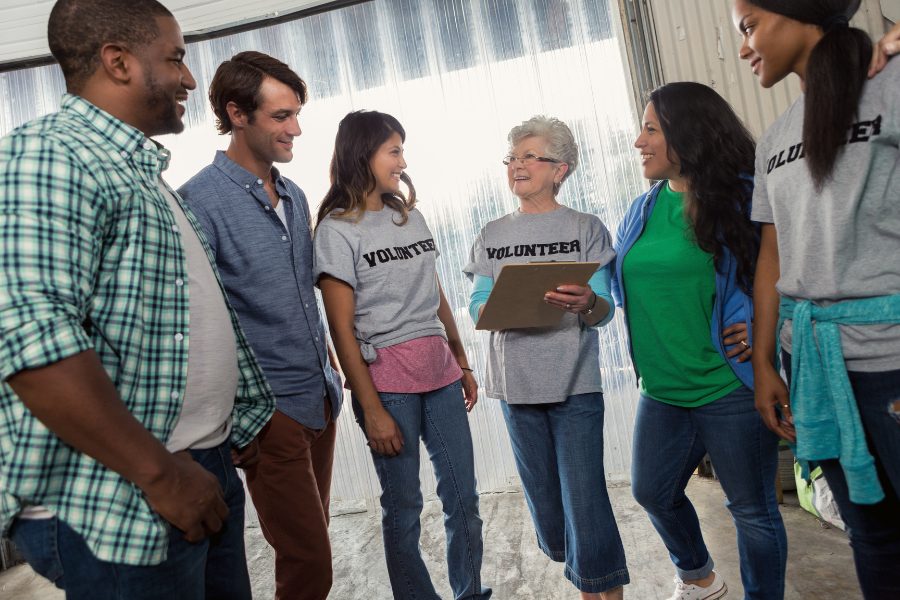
91, 258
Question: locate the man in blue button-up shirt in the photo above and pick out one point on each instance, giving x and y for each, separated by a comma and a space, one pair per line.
258, 226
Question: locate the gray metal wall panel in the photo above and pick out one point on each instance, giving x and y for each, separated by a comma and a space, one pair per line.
698, 42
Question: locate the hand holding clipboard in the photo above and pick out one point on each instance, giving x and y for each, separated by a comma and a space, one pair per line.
517, 298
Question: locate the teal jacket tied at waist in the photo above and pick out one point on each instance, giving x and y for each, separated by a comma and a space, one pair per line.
825, 413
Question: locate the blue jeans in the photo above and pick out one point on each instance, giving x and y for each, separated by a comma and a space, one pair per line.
439, 419
559, 455
669, 443
874, 529
213, 568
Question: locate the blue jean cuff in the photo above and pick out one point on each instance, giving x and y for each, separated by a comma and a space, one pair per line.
554, 555
598, 584
696, 573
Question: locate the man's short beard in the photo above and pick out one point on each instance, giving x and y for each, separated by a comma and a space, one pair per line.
157, 100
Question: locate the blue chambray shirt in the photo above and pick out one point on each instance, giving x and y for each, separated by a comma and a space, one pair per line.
267, 272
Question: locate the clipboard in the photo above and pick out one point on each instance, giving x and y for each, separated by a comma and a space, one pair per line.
517, 298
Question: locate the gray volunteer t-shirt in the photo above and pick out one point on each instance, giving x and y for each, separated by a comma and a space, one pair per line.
547, 364
391, 269
843, 242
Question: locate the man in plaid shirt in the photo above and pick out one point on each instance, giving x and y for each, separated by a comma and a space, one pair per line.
127, 389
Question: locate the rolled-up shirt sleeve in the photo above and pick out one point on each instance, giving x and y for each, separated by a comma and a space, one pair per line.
50, 245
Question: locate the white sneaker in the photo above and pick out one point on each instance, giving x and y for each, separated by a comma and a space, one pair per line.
688, 591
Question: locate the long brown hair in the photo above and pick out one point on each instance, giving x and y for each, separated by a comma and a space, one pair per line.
835, 74
359, 136
716, 155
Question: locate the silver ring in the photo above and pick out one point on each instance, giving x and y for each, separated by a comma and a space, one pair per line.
744, 343
568, 306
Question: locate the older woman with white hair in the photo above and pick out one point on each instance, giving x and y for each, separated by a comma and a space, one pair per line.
549, 378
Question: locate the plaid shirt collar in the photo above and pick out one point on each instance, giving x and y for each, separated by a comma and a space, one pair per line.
122, 137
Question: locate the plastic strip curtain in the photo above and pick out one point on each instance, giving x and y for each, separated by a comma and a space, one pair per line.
458, 74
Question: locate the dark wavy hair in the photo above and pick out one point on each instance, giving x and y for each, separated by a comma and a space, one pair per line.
714, 149
835, 74
77, 29
359, 136
238, 80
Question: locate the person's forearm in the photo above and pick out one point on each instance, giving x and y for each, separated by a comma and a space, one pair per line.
76, 400
765, 299
598, 313
334, 360
354, 367
600, 284
338, 298
481, 291
445, 314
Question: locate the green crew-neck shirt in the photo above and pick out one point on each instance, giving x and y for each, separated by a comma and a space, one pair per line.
670, 287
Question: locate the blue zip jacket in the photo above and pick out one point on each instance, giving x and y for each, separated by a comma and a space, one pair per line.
730, 306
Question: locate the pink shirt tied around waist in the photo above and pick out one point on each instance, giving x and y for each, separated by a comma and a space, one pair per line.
414, 367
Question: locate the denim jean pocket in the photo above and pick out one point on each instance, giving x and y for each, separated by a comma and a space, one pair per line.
391, 399
37, 540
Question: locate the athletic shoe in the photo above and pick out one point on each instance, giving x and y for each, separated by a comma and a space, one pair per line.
688, 591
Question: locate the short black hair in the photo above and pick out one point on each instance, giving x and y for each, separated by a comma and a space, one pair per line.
238, 80
79, 28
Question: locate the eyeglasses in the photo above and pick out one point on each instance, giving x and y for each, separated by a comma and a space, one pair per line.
528, 159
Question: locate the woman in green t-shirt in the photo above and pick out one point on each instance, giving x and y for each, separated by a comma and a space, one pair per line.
683, 271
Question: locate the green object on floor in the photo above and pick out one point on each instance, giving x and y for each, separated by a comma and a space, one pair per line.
805, 489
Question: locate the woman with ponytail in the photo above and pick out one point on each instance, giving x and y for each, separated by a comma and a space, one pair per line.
399, 348
827, 285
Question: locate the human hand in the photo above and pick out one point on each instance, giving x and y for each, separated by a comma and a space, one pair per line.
571, 298
737, 336
470, 389
772, 401
246, 456
384, 435
886, 47
189, 497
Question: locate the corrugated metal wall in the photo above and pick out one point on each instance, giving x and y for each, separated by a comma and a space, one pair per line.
698, 42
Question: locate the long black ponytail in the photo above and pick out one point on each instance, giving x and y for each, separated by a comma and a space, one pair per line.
835, 75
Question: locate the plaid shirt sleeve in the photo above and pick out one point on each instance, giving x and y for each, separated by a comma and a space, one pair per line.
50, 242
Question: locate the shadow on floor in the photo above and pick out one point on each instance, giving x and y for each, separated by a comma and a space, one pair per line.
820, 564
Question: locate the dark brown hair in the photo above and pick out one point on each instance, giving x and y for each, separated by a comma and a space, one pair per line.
238, 80
835, 74
716, 156
77, 29
360, 134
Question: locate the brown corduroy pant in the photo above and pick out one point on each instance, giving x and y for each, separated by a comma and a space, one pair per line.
291, 490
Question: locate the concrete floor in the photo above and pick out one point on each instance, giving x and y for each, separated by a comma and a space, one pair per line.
820, 564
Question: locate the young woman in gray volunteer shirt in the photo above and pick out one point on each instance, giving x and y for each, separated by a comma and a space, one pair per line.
827, 181
549, 378
393, 330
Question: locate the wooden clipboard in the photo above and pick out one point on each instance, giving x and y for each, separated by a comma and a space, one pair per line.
517, 298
